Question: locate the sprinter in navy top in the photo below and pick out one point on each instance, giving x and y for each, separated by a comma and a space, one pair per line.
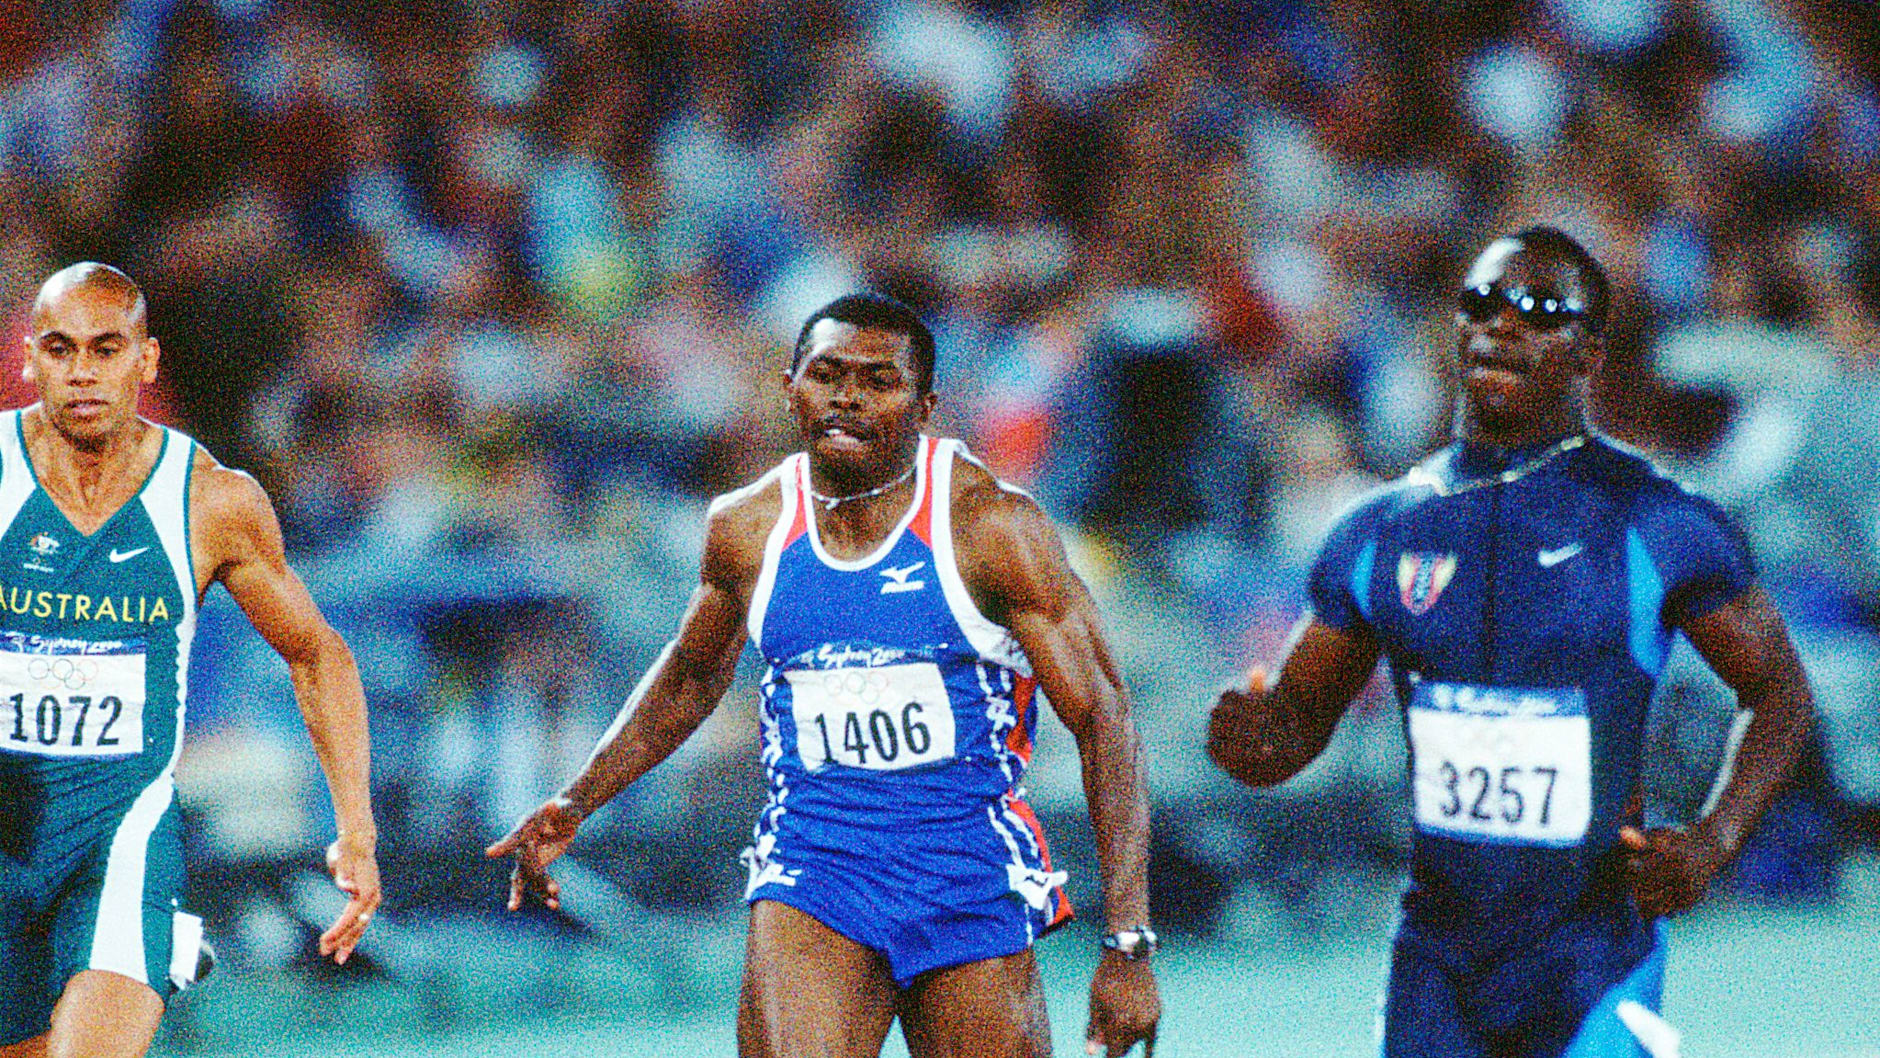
913, 613
1524, 584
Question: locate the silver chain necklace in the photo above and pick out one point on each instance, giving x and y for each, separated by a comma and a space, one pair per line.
1419, 476
830, 503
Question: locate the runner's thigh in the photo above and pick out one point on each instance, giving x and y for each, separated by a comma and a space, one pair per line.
993, 1008
810, 992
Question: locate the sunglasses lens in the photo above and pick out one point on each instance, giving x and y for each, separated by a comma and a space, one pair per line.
1546, 313
1478, 304
1539, 311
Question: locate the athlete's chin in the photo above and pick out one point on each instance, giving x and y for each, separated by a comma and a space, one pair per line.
848, 451
87, 423
1497, 393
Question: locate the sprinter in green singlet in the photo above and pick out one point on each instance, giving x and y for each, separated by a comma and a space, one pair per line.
111, 530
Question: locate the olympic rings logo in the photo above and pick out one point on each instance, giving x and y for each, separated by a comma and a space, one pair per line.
74, 673
855, 685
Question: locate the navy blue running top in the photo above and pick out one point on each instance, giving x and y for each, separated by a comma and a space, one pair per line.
1525, 600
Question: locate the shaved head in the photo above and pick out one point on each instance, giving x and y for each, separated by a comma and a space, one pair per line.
98, 279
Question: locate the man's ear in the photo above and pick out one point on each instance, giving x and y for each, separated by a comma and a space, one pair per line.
151, 354
26, 359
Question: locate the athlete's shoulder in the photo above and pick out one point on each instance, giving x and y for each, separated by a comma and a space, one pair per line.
738, 523
982, 501
222, 498
1650, 488
751, 507
1617, 463
1390, 500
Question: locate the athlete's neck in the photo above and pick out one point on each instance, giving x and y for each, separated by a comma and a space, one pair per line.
855, 516
85, 469
835, 487
1481, 429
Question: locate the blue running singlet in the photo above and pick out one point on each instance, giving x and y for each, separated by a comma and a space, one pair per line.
1525, 601
896, 724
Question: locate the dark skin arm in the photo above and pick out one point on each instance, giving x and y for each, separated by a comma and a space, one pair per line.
1014, 565
672, 700
1748, 645
1265, 735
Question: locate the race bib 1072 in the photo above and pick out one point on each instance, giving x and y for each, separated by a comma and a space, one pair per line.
883, 718
69, 698
1501, 764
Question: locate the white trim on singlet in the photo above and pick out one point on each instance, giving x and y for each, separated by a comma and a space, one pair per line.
166, 500
993, 641
785, 475
16, 477
893, 538
117, 942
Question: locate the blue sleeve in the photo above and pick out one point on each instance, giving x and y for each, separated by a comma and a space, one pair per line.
1702, 557
1340, 582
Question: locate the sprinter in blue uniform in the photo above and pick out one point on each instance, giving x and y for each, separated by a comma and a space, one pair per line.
1524, 584
111, 530
913, 614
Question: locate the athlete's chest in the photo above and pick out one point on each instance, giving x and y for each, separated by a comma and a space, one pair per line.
895, 599
121, 574
1520, 581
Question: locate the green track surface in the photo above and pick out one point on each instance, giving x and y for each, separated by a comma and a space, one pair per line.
1745, 981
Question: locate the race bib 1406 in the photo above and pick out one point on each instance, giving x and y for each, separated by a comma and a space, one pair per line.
882, 718
1501, 764
69, 698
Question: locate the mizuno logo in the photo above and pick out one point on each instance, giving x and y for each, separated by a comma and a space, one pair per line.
126, 556
897, 579
1550, 559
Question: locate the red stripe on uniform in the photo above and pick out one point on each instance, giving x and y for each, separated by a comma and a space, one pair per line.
1018, 740
800, 523
1060, 905
922, 526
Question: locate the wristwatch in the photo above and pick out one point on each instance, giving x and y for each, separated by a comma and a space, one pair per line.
1134, 944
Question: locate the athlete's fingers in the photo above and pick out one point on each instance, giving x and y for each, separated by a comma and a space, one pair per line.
341, 937
1256, 680
521, 834
1121, 1043
526, 879
1635, 838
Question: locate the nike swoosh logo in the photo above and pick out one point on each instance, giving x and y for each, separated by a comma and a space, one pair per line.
126, 556
1551, 558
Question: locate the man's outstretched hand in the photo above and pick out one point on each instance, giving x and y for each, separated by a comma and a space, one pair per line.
536, 842
1669, 867
354, 865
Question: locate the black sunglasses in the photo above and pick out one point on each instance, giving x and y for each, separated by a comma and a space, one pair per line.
1479, 304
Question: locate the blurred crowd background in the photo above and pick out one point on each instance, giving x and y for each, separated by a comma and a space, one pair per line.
493, 295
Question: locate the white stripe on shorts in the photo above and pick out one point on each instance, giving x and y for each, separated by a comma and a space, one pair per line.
117, 942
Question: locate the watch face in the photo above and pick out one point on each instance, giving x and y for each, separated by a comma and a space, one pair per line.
1131, 943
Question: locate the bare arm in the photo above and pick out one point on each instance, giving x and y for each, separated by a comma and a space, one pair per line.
1014, 562
1263, 736
238, 542
1748, 645
671, 701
